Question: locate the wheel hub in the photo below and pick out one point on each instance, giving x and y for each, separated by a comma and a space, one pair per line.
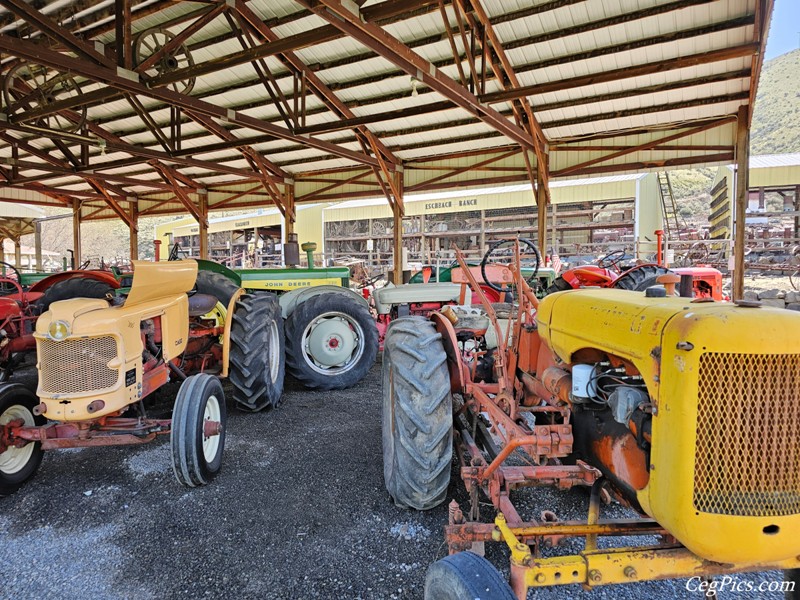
14, 458
331, 341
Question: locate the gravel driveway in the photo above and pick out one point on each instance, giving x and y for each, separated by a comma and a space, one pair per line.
298, 511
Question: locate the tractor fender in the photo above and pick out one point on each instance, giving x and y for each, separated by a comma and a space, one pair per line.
214, 267
291, 300
459, 375
47, 282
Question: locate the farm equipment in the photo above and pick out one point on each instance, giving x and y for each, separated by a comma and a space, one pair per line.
428, 291
331, 337
706, 282
685, 410
20, 306
99, 359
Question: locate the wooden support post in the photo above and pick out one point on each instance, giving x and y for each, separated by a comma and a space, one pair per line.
76, 232
541, 205
18, 253
203, 222
742, 182
288, 196
134, 231
37, 244
397, 230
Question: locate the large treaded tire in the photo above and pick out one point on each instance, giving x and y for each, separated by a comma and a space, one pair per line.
466, 576
640, 278
76, 287
217, 285
257, 358
355, 317
559, 285
417, 419
196, 459
18, 402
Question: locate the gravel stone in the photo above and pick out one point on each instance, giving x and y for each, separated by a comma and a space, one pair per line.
298, 511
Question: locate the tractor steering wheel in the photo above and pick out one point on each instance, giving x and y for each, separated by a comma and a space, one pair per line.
10, 284
612, 259
497, 245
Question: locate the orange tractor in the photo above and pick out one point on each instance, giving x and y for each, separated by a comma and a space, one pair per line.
705, 282
683, 409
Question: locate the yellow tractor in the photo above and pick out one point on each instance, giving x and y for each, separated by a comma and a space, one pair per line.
684, 409
99, 359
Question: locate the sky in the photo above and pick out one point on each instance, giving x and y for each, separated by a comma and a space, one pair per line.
784, 31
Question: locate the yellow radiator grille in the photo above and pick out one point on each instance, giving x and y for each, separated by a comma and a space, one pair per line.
77, 365
747, 459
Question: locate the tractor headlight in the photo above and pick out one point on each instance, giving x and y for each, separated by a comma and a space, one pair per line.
58, 330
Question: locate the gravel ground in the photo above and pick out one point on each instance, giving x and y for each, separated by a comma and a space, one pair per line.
298, 511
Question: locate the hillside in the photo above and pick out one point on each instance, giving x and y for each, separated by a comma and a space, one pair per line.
776, 120
775, 130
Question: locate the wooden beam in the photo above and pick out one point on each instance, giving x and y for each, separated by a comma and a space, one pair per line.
742, 185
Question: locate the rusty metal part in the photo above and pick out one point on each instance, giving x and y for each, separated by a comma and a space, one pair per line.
559, 383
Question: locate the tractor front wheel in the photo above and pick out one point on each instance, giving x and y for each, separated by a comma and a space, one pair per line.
466, 576
18, 463
331, 342
257, 357
198, 430
417, 414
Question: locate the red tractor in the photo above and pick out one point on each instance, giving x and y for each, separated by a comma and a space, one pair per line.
706, 282
20, 307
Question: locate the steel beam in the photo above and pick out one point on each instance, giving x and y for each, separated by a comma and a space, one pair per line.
29, 51
742, 187
378, 40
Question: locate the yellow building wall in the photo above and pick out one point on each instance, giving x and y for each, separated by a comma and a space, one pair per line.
560, 193
308, 225
649, 215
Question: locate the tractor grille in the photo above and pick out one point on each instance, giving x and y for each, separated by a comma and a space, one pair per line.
747, 458
75, 366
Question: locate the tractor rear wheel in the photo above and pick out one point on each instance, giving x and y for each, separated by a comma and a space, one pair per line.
217, 285
638, 279
466, 576
559, 285
75, 287
257, 357
198, 430
331, 342
18, 464
417, 414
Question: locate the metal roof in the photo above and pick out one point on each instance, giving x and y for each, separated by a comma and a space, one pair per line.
254, 103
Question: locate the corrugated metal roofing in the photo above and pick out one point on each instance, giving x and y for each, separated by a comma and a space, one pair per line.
604, 80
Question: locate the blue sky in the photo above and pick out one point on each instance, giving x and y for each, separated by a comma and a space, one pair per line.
784, 31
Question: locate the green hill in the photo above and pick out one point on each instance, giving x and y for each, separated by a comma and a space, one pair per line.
776, 119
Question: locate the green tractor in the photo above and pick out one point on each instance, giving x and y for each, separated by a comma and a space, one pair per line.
331, 336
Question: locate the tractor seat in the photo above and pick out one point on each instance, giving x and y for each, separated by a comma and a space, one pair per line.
200, 304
